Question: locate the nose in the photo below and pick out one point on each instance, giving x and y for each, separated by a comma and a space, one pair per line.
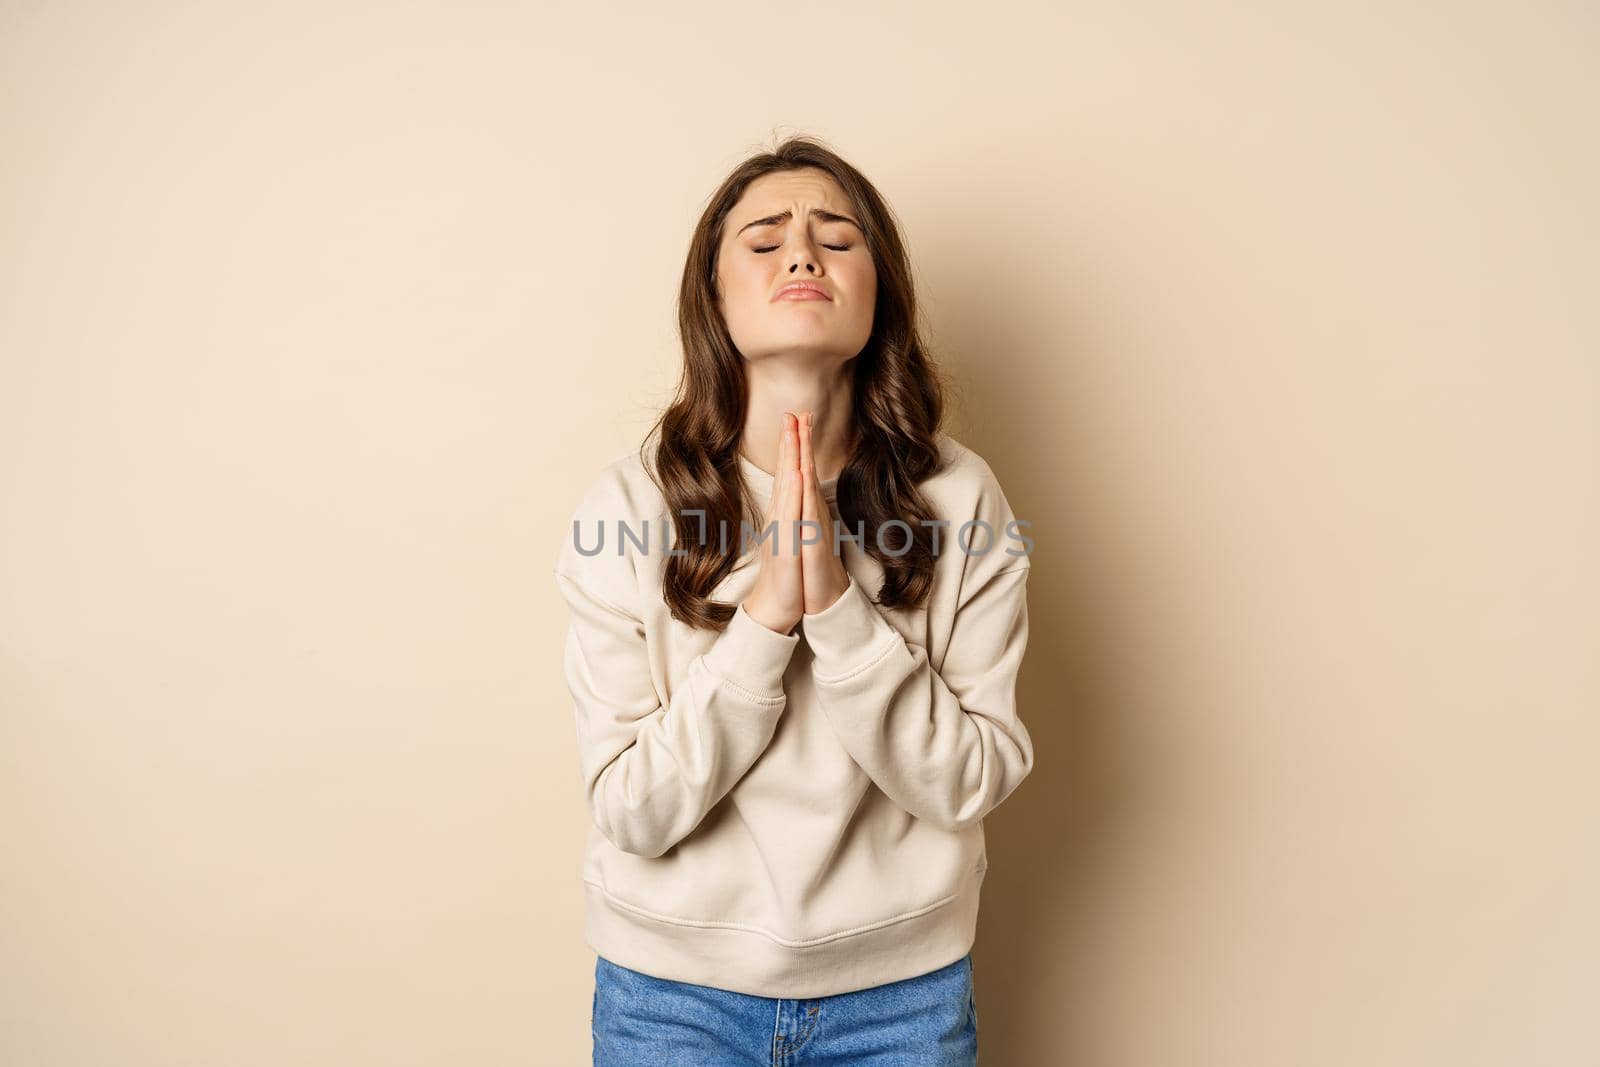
803, 257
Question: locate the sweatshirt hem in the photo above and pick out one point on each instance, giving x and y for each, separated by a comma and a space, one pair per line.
746, 959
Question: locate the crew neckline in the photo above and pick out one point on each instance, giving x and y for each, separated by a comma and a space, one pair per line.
761, 482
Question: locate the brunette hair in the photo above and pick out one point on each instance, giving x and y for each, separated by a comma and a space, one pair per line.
897, 403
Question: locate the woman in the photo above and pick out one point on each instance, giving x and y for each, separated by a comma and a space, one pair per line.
787, 776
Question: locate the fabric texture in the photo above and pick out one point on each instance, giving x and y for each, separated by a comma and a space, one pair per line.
792, 815
930, 1020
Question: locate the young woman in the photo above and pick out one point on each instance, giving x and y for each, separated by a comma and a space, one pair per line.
797, 619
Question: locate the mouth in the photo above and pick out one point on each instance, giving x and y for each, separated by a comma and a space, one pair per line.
802, 291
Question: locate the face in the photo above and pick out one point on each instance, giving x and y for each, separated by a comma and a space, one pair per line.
796, 226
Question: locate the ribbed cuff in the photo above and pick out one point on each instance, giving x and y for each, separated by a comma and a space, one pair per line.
846, 634
751, 655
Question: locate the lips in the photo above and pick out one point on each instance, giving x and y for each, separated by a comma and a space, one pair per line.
802, 291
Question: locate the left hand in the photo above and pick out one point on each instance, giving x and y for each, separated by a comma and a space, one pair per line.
823, 573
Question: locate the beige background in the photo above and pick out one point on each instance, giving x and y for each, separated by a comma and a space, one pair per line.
1279, 325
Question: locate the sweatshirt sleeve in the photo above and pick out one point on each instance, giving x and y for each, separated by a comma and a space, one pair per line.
651, 771
946, 745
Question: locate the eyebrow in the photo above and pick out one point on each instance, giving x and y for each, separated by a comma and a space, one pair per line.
784, 216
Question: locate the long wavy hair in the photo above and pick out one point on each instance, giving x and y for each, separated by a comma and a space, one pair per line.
897, 400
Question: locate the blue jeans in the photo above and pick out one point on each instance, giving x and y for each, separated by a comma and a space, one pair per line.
642, 1021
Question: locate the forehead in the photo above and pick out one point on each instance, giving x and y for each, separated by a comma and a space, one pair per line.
796, 189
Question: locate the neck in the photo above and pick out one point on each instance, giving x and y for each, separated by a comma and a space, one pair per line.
776, 386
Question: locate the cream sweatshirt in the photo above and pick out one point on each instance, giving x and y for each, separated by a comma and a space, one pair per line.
792, 815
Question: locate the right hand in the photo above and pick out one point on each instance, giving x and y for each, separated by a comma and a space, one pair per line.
778, 599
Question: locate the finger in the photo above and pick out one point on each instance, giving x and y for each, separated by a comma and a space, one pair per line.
775, 499
789, 454
791, 464
821, 512
816, 504
791, 522
804, 532
786, 494
808, 502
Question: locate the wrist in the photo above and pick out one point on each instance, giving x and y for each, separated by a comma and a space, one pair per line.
759, 613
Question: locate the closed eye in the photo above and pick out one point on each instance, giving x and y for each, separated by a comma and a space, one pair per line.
836, 248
